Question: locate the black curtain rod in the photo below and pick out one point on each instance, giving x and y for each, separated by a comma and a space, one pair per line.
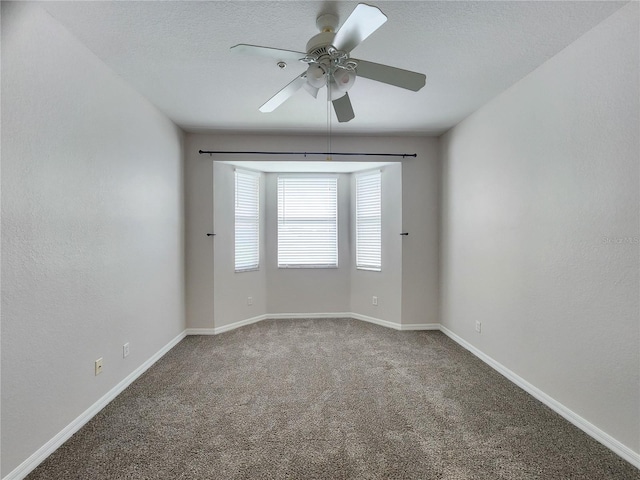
403, 155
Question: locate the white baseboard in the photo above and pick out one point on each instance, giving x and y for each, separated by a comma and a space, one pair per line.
377, 321
394, 325
225, 328
200, 331
241, 323
292, 316
26, 467
568, 414
43, 452
420, 326
267, 316
299, 316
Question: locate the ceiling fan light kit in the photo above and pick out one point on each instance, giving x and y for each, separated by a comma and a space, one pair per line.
316, 75
344, 79
330, 64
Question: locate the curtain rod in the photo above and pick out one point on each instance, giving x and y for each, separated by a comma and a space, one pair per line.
403, 155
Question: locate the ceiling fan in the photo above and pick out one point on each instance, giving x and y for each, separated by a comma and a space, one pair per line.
330, 64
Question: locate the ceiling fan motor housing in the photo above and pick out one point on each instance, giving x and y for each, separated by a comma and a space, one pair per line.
327, 24
319, 43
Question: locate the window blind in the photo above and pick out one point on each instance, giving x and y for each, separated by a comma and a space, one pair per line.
307, 222
247, 220
369, 221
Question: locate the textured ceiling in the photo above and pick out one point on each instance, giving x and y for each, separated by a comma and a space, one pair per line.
177, 55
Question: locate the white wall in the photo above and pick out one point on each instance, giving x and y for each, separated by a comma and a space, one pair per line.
541, 227
92, 233
386, 284
326, 291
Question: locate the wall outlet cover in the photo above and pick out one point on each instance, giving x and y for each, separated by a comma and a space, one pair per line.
98, 366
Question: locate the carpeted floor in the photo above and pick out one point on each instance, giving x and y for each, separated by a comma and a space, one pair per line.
327, 399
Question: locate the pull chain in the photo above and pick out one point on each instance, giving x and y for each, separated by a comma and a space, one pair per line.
329, 118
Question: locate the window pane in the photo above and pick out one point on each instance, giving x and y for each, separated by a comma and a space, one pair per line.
247, 218
369, 221
307, 222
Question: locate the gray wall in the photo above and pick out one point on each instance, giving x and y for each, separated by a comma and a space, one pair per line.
233, 289
321, 291
308, 290
386, 284
420, 218
540, 228
92, 230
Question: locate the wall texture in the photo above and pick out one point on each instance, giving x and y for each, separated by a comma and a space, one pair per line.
386, 284
307, 290
420, 218
92, 230
540, 228
419, 253
198, 199
232, 289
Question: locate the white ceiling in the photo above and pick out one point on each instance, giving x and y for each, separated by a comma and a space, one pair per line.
177, 55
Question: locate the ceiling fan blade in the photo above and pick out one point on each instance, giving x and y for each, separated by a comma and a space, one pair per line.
313, 91
363, 21
343, 108
268, 52
280, 97
391, 75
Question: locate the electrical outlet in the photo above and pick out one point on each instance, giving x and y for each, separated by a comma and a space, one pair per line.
249, 301
478, 326
99, 366
125, 350
374, 300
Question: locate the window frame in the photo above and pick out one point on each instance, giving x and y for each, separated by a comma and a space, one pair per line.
334, 184
249, 220
374, 219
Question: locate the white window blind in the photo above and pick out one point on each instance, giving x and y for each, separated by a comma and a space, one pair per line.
307, 222
247, 219
369, 221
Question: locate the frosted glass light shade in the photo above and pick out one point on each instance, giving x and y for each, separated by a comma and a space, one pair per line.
344, 79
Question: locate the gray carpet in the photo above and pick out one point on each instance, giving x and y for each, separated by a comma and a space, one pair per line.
330, 399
